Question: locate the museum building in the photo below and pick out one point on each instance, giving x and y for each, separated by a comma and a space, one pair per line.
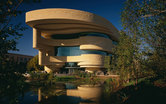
71, 37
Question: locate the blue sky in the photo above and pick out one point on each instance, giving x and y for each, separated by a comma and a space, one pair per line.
109, 9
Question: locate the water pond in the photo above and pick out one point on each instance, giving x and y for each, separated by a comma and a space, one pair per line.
62, 93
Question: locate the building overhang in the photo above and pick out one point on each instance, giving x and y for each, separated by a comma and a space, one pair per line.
69, 21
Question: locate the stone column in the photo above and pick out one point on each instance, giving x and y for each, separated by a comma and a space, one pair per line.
36, 37
42, 56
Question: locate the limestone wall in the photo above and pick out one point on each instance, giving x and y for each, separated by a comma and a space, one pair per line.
48, 22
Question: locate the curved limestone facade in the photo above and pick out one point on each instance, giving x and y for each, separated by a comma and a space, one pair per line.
71, 36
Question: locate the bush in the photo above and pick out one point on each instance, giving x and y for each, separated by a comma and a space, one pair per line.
33, 64
38, 76
65, 78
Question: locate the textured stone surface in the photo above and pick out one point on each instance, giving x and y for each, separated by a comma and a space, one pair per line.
70, 20
47, 22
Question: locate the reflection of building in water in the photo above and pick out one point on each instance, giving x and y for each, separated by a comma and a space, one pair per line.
86, 92
81, 95
48, 92
39, 94
18, 57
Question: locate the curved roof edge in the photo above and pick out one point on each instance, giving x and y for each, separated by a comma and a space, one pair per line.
47, 17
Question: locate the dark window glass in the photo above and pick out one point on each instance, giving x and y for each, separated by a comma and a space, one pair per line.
67, 51
75, 51
25, 59
110, 55
71, 64
93, 52
98, 35
114, 42
73, 36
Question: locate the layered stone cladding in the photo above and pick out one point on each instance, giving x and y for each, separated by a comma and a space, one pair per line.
49, 22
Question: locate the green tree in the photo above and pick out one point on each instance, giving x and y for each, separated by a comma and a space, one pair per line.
8, 10
9, 32
11, 79
144, 21
33, 64
122, 59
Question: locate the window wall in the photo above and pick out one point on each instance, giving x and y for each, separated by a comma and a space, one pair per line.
75, 51
74, 36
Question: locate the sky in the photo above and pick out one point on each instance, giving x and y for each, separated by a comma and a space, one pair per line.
109, 9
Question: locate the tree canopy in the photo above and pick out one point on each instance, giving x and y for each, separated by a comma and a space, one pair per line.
33, 64
9, 32
122, 60
146, 19
144, 22
11, 79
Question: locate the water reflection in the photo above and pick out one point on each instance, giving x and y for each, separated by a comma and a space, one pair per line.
58, 94
89, 93
39, 94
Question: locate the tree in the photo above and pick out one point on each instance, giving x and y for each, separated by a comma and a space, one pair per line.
122, 59
10, 33
144, 21
11, 79
33, 64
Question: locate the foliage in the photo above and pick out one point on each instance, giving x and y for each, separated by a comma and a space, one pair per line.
49, 78
144, 21
107, 61
9, 32
157, 64
110, 86
38, 76
132, 82
33, 64
90, 81
122, 60
144, 92
85, 75
11, 79
65, 78
8, 9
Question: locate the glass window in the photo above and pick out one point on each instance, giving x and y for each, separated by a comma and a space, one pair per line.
73, 36
92, 52
67, 51
25, 59
71, 64
75, 51
114, 42
98, 35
